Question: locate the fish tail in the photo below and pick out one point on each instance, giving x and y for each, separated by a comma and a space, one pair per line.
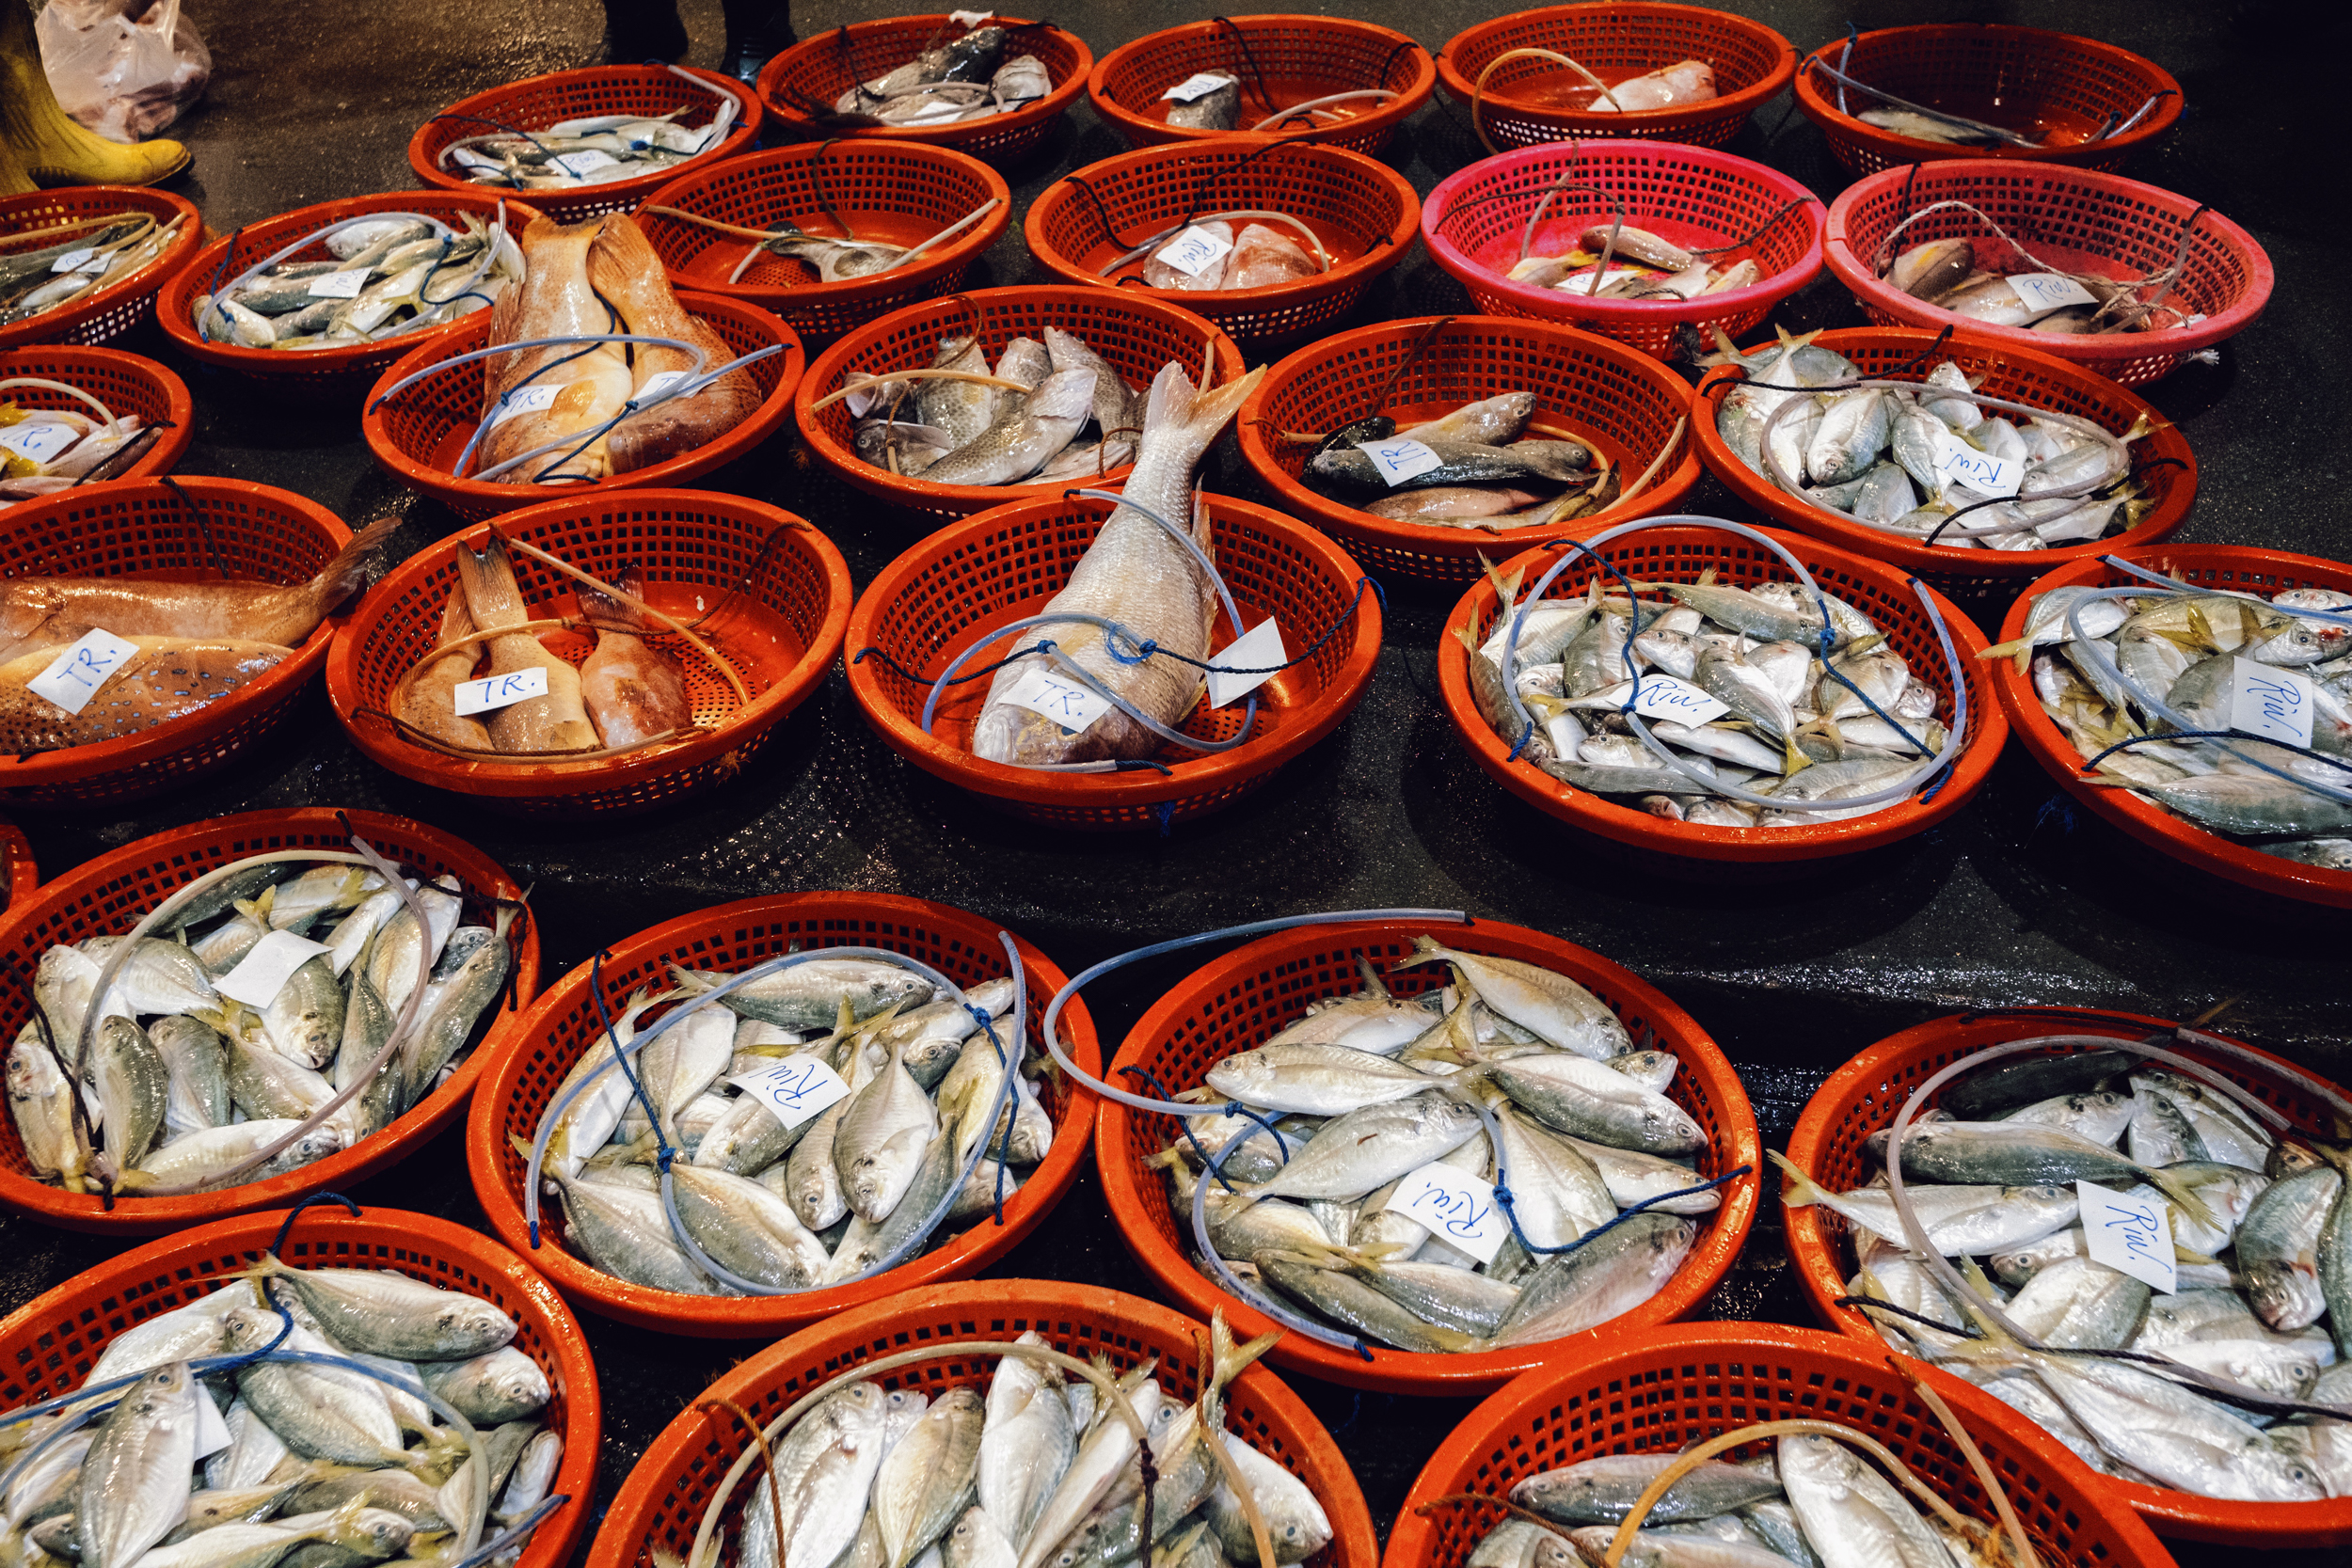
492, 596
1792, 758
2181, 1195
1372, 977
1229, 1359
1802, 1191
347, 573
1427, 949
1193, 419
608, 610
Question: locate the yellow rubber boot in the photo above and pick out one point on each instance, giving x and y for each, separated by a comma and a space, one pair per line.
14, 180
46, 143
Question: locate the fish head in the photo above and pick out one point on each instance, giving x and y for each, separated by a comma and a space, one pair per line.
2281, 1292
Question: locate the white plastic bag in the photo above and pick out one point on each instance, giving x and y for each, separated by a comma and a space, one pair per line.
125, 68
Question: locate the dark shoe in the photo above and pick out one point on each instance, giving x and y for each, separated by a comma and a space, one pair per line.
745, 58
636, 31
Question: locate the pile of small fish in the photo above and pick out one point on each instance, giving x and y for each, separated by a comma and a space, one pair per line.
594, 151
1760, 712
317, 1465
1489, 475
1946, 274
1366, 1090
1077, 422
183, 1082
967, 78
385, 279
2263, 1250
43, 451
1883, 457
2182, 650
820, 1201
57, 274
1036, 1470
1211, 101
1621, 261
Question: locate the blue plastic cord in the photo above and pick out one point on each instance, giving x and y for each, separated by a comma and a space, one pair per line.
1262, 1301
440, 231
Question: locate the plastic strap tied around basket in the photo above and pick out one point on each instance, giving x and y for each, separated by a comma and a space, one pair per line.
1936, 768
442, 232
1010, 1062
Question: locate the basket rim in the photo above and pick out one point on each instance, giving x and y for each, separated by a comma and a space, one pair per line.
1428, 538
144, 1215
1895, 821
1411, 1542
1050, 108
1383, 120
1459, 85
50, 326
1185, 781
17, 863
174, 443
1130, 1193
516, 1040
2144, 820
763, 712
2094, 350
1554, 304
1810, 1254
2016, 567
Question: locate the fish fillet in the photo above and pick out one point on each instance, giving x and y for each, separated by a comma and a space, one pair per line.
556, 300
632, 690
431, 703
555, 722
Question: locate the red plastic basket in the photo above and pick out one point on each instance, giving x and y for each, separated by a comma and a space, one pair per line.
897, 191
1135, 334
661, 1503
1678, 553
219, 263
114, 307
1865, 1095
2231, 567
801, 85
50, 1345
537, 1049
2054, 80
695, 548
1617, 41
1366, 214
16, 865
1625, 402
107, 896
1663, 1388
1282, 60
123, 382
539, 102
141, 528
2074, 219
2167, 467
991, 570
1234, 1002
1690, 195
418, 434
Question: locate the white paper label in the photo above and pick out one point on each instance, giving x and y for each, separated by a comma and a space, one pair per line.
1982, 472
656, 385
529, 399
2271, 703
1594, 282
495, 691
266, 966
212, 1430
1058, 698
1258, 649
1199, 85
2131, 1235
339, 285
970, 18
578, 164
75, 675
73, 259
1399, 459
1194, 252
39, 441
1459, 1209
2049, 291
1676, 701
795, 1089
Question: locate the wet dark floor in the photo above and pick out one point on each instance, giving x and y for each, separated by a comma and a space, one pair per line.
2017, 899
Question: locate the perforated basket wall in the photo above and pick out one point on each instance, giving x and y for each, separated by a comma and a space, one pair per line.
142, 527
1282, 61
1365, 213
2164, 467
116, 306
17, 865
785, 594
664, 1499
1678, 553
49, 1345
1474, 221
976, 576
1662, 1389
125, 383
801, 85
897, 191
108, 896
1136, 334
1617, 41
1235, 1003
537, 1049
1623, 402
418, 435
1865, 1095
2230, 569
2037, 79
539, 102
2073, 219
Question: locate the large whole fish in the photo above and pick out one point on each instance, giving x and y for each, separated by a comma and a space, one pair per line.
623, 268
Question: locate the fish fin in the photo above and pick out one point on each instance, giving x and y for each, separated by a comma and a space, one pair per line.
609, 612
2005, 650
347, 573
1229, 1359
1463, 635
1802, 1191
1372, 978
492, 596
1793, 759
2183, 1197
1427, 949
